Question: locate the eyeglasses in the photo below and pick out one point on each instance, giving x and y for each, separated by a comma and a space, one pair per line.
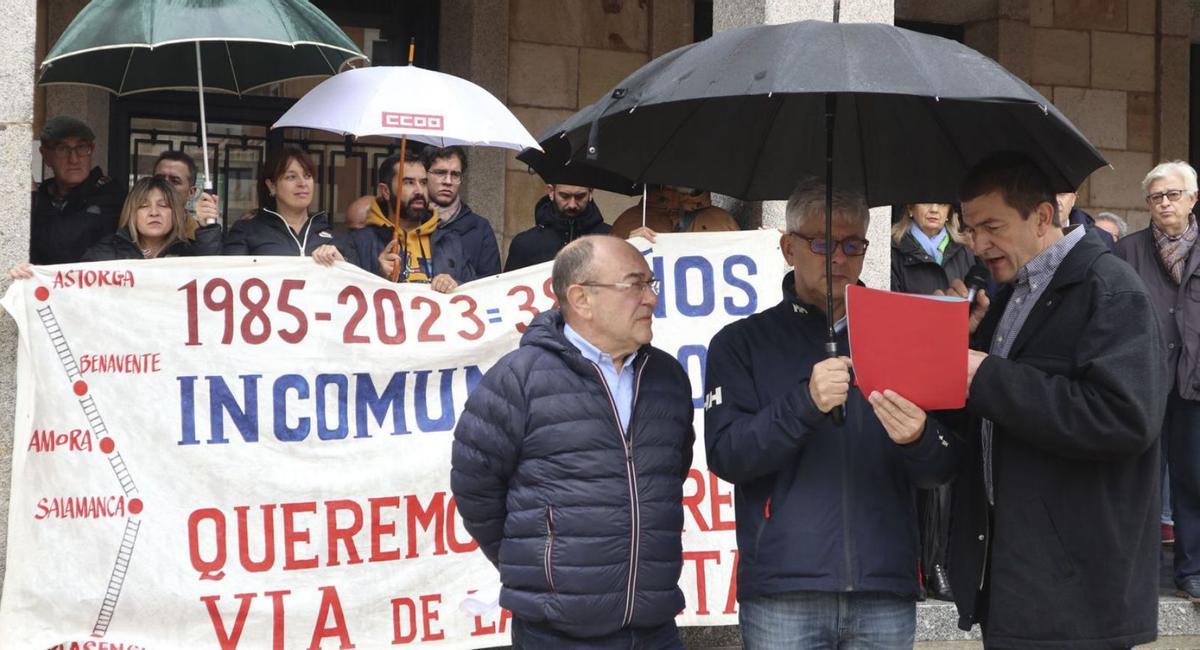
653, 284
81, 150
851, 246
1157, 197
440, 174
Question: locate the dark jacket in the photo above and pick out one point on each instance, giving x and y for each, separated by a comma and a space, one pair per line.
119, 246
448, 254
266, 233
914, 271
819, 507
553, 231
1077, 408
478, 241
61, 231
583, 523
1177, 308
1078, 217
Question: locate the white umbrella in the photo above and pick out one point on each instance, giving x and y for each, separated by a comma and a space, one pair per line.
407, 101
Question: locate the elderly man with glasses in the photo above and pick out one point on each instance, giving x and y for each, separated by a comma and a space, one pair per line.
570, 457
1165, 258
826, 514
77, 206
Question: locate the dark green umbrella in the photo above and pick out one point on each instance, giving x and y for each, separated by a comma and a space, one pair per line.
231, 46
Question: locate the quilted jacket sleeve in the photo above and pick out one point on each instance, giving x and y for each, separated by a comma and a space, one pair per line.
487, 446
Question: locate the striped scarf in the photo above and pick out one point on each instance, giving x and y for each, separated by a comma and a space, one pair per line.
1173, 250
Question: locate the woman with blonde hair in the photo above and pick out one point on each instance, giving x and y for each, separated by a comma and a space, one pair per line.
153, 224
928, 253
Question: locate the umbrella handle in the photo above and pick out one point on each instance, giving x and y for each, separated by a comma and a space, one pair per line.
839, 411
208, 184
395, 274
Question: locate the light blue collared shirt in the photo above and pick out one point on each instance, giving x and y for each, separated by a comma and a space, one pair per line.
620, 385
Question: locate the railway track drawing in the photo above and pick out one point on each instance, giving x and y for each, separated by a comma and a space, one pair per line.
121, 473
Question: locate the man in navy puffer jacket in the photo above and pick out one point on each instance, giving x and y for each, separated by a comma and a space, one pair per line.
826, 524
569, 462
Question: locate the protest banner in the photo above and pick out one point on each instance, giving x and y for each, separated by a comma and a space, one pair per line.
255, 452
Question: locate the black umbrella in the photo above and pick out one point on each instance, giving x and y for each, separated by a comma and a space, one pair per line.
751, 111
555, 165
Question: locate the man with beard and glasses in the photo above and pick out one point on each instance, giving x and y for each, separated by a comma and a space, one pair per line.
565, 214
425, 252
446, 168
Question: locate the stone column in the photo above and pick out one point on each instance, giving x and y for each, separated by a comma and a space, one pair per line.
473, 44
728, 14
16, 135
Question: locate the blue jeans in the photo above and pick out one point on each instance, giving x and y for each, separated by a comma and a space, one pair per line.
837, 621
1181, 430
533, 636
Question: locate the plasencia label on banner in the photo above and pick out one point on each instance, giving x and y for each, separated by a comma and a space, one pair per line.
255, 452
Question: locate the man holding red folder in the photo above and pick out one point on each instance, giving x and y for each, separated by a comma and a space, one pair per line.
826, 520
1054, 531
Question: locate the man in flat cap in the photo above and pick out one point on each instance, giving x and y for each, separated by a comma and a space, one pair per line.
79, 204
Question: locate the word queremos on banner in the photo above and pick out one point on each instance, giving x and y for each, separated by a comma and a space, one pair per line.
255, 452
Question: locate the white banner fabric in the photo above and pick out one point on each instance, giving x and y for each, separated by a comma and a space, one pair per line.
255, 452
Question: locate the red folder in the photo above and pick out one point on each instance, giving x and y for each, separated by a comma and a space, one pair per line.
915, 345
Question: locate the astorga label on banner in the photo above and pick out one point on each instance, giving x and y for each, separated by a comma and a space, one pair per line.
255, 452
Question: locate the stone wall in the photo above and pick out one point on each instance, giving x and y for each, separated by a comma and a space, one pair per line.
19, 18
566, 54
1118, 69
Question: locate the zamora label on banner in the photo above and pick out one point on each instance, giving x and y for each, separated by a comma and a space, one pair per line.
255, 452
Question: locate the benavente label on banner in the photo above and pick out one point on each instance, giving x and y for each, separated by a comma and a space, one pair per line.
255, 452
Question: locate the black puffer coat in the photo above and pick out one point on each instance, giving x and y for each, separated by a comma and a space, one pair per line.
583, 525
119, 246
553, 231
266, 233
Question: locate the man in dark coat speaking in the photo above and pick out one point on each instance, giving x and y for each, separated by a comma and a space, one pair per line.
1054, 531
569, 461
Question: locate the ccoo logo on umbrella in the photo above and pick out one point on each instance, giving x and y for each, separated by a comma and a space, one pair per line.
413, 121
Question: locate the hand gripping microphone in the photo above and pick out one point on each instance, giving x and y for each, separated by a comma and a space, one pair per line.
977, 278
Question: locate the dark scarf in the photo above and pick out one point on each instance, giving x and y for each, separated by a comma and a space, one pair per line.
1173, 249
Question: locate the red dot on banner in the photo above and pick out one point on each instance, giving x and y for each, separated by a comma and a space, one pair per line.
135, 506
80, 387
107, 445
41, 293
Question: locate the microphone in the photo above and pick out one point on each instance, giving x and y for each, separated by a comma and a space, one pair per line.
976, 278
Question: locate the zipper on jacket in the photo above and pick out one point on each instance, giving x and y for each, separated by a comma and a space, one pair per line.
767, 510
846, 508
635, 519
550, 548
987, 538
307, 226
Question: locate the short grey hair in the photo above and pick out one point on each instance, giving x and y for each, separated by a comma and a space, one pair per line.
1122, 226
571, 266
808, 202
1172, 168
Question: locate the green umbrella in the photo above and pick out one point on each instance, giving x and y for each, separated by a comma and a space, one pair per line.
232, 46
